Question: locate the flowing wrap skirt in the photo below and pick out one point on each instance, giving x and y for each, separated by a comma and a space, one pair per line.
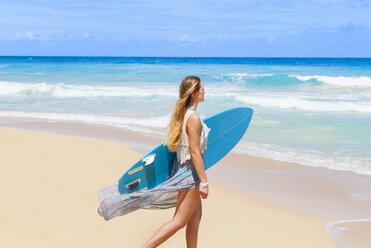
164, 195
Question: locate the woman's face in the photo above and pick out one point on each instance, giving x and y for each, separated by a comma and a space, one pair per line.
200, 94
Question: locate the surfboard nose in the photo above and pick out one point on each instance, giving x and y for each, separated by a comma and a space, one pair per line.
227, 129
244, 110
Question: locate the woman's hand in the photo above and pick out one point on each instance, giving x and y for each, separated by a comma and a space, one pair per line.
204, 191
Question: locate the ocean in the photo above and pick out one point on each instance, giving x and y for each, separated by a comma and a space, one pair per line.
313, 111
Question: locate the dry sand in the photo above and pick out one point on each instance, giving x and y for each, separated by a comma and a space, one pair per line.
49, 183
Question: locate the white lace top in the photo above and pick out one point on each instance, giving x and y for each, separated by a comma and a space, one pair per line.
182, 150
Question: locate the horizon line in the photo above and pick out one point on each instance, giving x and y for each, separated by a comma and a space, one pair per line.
191, 57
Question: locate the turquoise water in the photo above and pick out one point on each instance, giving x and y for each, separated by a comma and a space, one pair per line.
313, 111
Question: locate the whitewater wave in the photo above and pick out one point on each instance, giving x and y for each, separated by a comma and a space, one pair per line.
356, 82
307, 104
148, 125
240, 78
340, 81
309, 101
62, 90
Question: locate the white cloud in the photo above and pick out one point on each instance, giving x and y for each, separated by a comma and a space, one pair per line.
270, 40
24, 35
186, 38
86, 35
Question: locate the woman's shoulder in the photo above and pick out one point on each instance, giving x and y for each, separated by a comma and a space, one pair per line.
193, 119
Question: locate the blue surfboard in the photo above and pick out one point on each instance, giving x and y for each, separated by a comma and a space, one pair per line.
154, 168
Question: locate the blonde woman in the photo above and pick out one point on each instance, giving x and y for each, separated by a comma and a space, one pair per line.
187, 135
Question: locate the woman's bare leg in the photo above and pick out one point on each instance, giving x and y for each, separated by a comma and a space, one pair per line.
192, 227
187, 203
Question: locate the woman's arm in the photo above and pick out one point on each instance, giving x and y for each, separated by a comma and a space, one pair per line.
193, 129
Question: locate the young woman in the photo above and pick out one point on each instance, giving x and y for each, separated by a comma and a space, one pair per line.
187, 135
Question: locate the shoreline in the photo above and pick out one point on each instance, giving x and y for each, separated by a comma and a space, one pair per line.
140, 142
268, 181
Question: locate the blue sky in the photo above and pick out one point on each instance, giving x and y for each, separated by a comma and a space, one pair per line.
228, 28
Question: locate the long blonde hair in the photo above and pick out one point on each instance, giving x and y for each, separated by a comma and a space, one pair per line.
189, 85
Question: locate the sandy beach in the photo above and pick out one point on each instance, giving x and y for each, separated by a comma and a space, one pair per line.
49, 186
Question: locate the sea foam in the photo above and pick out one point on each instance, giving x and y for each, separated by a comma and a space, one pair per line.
147, 125
309, 101
306, 103
62, 90
338, 230
340, 81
